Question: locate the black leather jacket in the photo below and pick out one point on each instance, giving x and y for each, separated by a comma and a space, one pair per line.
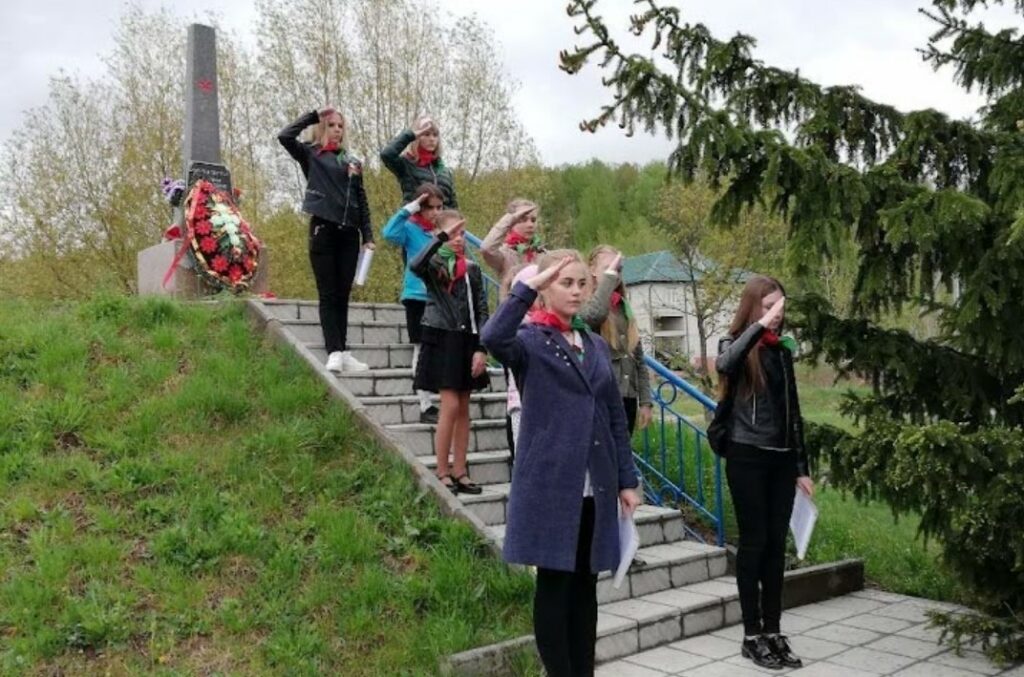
334, 182
451, 311
770, 419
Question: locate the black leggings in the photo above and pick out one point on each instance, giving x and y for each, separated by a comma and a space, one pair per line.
334, 252
565, 609
762, 484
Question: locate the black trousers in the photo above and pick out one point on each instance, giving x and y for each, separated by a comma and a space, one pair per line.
762, 483
413, 317
565, 610
334, 253
631, 405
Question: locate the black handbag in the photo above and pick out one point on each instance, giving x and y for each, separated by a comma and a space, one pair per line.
718, 429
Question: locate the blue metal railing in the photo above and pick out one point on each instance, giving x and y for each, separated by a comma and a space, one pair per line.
675, 456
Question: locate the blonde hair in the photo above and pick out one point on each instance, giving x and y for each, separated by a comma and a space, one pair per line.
608, 332
447, 216
411, 151
319, 130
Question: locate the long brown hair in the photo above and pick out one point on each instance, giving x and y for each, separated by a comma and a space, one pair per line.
608, 332
748, 312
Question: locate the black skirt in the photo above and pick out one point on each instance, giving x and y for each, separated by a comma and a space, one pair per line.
446, 362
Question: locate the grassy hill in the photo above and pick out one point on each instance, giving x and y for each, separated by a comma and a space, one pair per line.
178, 498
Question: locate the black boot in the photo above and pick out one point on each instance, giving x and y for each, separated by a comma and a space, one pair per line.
780, 648
759, 651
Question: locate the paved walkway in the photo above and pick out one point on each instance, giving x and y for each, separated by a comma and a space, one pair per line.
863, 634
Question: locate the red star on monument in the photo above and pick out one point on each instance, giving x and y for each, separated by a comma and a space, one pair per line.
205, 85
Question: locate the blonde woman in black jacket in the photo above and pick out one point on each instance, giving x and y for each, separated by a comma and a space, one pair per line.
339, 224
765, 461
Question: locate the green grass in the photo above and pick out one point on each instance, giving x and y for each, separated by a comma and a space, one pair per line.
178, 498
895, 558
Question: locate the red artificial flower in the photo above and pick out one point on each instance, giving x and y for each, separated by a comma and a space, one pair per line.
249, 265
200, 212
173, 232
208, 245
235, 273
219, 263
205, 85
203, 228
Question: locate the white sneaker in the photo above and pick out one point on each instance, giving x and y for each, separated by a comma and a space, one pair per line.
335, 361
350, 363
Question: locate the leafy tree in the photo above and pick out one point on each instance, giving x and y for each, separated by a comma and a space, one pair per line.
930, 203
718, 259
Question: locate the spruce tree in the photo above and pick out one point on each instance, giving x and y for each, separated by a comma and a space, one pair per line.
935, 208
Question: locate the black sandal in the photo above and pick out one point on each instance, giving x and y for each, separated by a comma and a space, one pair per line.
451, 485
467, 487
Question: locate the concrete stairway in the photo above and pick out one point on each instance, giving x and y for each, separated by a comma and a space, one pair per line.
676, 588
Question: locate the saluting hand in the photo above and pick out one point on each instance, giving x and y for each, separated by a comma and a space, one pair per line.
543, 279
327, 111
768, 319
522, 213
453, 229
425, 126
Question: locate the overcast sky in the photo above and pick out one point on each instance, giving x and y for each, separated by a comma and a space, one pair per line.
866, 42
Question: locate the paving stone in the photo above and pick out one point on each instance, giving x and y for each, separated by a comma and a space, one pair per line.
709, 646
721, 669
811, 649
661, 632
793, 624
842, 634
733, 612
610, 624
1017, 671
717, 588
882, 624
836, 609
931, 670
825, 669
904, 611
922, 632
640, 610
652, 580
905, 646
717, 566
617, 645
667, 660
683, 599
690, 572
970, 661
747, 664
881, 596
699, 622
732, 633
624, 669
869, 660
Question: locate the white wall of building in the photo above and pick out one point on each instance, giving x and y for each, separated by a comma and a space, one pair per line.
664, 314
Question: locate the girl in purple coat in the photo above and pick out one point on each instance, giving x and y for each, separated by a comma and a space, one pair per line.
574, 465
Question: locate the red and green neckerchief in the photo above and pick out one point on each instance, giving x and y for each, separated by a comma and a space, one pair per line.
549, 319
619, 300
454, 263
528, 249
422, 222
772, 340
330, 147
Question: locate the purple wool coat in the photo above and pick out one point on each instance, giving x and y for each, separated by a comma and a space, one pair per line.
572, 421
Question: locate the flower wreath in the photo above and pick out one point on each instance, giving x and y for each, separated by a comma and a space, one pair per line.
224, 247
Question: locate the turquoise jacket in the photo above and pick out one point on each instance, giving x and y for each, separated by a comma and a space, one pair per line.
406, 234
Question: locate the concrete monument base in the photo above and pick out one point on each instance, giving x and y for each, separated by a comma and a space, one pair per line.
154, 262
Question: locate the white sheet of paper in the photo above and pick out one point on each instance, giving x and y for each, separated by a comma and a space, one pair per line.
363, 266
629, 542
802, 521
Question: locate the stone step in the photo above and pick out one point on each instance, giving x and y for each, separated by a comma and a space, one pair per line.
632, 625
377, 356
657, 526
377, 332
485, 467
489, 506
663, 567
484, 435
406, 408
297, 309
385, 382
